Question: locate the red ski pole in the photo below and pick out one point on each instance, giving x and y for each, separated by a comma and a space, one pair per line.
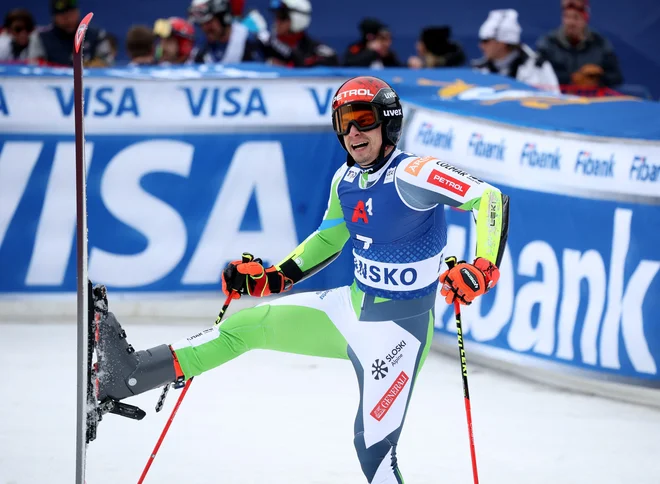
451, 261
178, 403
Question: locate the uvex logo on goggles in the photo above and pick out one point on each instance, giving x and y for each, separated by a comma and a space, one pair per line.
363, 115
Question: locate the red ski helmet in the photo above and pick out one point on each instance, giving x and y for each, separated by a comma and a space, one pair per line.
180, 29
367, 102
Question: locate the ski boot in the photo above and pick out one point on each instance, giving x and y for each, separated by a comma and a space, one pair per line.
122, 372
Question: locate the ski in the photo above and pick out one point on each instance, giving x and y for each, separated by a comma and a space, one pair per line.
85, 428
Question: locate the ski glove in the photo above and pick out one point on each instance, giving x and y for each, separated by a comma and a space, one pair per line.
467, 281
249, 276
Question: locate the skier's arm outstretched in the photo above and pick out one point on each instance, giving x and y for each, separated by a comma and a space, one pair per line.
316, 252
424, 183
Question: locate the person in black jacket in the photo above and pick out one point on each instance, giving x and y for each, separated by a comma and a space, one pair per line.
374, 49
290, 45
435, 49
54, 45
579, 55
228, 41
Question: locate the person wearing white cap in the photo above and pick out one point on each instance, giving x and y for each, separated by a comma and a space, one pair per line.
504, 54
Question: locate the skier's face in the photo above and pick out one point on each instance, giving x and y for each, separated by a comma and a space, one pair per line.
363, 146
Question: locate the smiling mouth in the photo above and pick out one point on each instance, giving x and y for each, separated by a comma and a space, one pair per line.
358, 146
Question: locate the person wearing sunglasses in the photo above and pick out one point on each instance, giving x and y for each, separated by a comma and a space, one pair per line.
388, 206
505, 54
52, 45
14, 40
228, 41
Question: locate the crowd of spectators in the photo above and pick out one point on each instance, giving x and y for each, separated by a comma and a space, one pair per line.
572, 56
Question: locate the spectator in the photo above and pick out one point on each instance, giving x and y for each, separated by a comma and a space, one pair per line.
291, 45
114, 48
579, 55
53, 44
14, 41
434, 49
140, 46
108, 60
176, 40
499, 40
227, 41
374, 49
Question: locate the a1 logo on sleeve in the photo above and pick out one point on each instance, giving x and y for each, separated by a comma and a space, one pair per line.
415, 166
447, 182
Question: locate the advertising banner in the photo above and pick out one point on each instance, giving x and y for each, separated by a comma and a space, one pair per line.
579, 285
122, 106
189, 168
537, 159
166, 213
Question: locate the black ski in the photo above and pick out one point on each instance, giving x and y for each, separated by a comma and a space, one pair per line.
84, 427
92, 302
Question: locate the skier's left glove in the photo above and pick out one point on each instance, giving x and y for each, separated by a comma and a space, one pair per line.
467, 281
249, 276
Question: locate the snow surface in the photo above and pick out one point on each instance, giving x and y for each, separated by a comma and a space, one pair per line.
272, 418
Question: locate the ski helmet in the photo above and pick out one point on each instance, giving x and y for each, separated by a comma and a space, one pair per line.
298, 11
201, 11
178, 28
367, 102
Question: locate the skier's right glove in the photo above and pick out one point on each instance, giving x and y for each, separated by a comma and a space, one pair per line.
249, 276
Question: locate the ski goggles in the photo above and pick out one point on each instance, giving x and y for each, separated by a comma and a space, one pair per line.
364, 116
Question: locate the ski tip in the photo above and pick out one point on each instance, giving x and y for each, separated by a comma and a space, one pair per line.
80, 33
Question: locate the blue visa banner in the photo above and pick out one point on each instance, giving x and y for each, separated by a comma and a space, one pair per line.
165, 213
248, 93
579, 285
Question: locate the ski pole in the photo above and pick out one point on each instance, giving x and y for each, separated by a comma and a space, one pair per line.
178, 402
451, 262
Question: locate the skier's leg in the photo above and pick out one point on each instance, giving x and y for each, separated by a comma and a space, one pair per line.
387, 356
295, 324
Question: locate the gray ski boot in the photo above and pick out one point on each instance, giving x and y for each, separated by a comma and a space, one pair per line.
123, 372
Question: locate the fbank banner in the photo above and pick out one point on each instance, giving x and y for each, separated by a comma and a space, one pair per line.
579, 285
537, 159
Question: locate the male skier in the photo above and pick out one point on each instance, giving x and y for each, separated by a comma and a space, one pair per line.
390, 204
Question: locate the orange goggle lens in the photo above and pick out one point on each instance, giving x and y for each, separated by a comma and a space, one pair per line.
363, 116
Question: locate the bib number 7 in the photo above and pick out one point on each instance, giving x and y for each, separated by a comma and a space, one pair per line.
366, 240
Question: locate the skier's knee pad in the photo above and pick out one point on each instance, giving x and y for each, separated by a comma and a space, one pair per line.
371, 457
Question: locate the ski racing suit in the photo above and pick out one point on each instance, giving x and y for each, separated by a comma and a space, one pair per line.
383, 322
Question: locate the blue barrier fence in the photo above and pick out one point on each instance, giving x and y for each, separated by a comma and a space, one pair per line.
188, 168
